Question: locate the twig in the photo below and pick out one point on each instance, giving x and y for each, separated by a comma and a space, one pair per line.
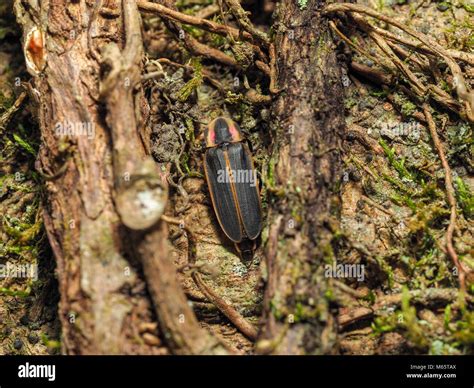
56, 175
359, 133
257, 98
349, 290
173, 16
419, 89
351, 316
405, 55
377, 206
206, 51
140, 199
205, 24
208, 11
241, 16
273, 71
377, 76
374, 75
461, 268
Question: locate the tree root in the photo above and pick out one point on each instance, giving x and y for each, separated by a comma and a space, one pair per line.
462, 269
426, 46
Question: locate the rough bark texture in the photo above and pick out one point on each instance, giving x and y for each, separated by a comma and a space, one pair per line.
98, 277
308, 121
80, 219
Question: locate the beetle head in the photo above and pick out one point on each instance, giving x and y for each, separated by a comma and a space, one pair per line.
222, 130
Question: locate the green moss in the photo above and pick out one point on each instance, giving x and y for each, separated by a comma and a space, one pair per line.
243, 54
15, 293
350, 102
384, 324
387, 269
6, 101
304, 313
401, 199
407, 108
414, 330
328, 253
193, 31
21, 232
380, 5
24, 141
271, 173
396, 163
193, 83
51, 344
438, 347
379, 93
463, 331
302, 4
469, 7
276, 312
444, 6
465, 198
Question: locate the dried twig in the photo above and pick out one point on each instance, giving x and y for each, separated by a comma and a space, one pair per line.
418, 87
176, 16
359, 133
462, 269
208, 11
377, 76
242, 18
144, 181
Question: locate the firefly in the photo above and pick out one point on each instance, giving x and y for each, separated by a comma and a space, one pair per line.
232, 182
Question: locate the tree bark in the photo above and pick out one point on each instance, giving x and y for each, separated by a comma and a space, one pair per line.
308, 122
95, 173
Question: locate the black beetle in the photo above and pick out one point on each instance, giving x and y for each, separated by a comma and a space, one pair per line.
233, 185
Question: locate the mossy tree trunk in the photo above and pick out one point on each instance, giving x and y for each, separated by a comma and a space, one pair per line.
308, 120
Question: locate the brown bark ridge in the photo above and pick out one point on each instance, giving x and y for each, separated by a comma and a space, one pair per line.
94, 178
308, 121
